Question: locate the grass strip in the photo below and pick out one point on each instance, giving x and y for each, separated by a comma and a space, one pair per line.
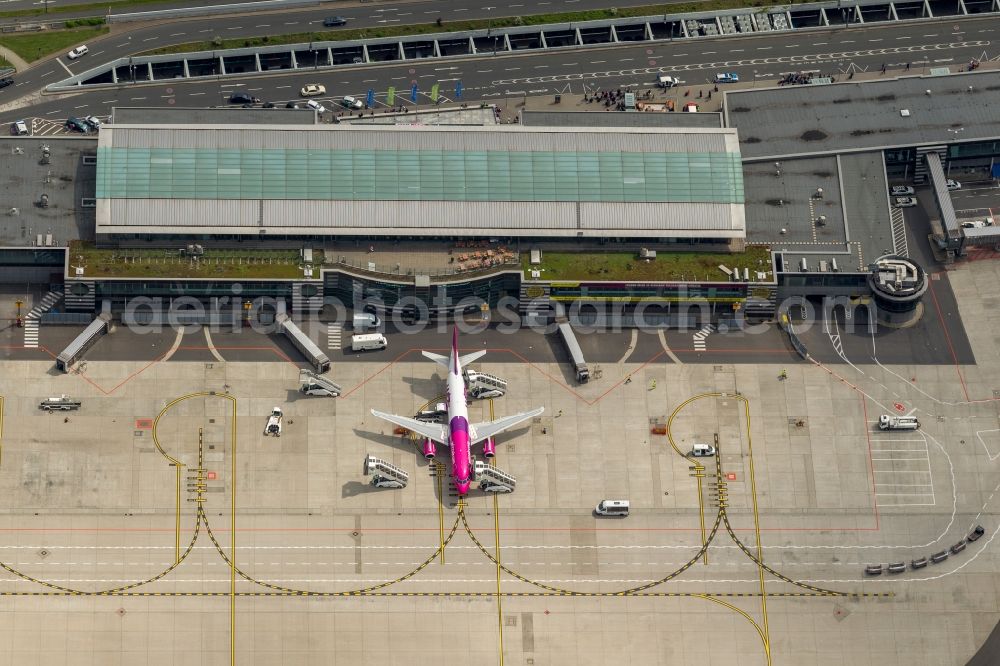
37, 45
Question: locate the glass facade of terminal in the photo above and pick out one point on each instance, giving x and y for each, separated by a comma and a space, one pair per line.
418, 175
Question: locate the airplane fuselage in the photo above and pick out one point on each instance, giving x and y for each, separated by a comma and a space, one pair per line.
458, 431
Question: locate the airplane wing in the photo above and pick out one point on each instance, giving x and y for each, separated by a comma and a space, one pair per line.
436, 431
490, 428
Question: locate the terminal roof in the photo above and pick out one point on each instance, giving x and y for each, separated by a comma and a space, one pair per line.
506, 180
849, 116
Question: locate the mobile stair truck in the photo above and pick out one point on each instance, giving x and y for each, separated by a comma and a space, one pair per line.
384, 474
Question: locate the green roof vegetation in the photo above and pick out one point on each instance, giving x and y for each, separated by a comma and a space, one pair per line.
37, 45
667, 266
459, 26
249, 264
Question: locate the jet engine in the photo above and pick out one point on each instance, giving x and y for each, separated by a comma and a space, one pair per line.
489, 448
429, 449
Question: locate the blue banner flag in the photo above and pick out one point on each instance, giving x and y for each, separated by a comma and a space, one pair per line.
458, 90
371, 98
413, 93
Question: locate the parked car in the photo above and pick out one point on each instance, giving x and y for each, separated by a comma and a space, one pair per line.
6, 81
901, 190
77, 52
954, 184
94, 123
978, 224
77, 125
291, 105
19, 128
242, 98
352, 102
334, 21
316, 106
313, 90
727, 77
358, 60
905, 202
268, 105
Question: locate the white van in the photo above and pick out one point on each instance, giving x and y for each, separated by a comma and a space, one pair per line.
702, 450
368, 341
887, 422
618, 508
365, 320
664, 81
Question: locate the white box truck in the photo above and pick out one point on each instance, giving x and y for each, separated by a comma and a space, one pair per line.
888, 422
368, 341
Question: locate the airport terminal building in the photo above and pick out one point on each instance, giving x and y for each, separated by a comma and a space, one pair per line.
563, 208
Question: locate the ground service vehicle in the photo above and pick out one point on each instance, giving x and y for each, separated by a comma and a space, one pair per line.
365, 320
616, 508
273, 427
887, 422
482, 386
575, 353
62, 403
368, 341
702, 450
314, 384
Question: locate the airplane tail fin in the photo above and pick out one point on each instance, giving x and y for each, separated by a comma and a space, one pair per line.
454, 362
437, 358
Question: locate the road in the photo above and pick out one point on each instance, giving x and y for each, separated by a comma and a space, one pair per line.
501, 78
129, 39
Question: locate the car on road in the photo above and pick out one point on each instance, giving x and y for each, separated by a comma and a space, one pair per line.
93, 122
242, 98
19, 128
352, 103
316, 106
291, 105
954, 184
76, 125
268, 105
901, 190
905, 202
77, 52
334, 21
313, 90
727, 77
6, 81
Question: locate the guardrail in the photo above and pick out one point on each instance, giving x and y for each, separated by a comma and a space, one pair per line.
204, 11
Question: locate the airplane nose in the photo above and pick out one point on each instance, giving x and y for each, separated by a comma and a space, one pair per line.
463, 488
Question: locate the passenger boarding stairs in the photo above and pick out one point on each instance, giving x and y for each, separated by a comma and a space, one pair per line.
492, 479
384, 474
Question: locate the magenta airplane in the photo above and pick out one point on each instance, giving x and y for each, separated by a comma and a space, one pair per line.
458, 433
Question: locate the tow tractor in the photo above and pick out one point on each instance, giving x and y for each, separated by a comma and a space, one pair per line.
273, 427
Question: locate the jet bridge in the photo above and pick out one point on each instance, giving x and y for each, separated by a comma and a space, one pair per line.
385, 474
494, 480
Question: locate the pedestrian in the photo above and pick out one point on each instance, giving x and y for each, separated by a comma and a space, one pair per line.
560, 413
628, 379
652, 384
66, 420
907, 66
783, 375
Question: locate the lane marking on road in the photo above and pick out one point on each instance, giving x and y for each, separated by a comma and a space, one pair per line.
59, 60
